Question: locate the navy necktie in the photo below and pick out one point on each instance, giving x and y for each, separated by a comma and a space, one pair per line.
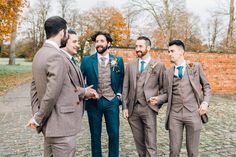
180, 71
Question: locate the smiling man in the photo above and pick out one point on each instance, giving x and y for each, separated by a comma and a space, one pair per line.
105, 72
143, 79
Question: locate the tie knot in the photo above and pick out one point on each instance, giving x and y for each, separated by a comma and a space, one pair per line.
142, 62
180, 67
74, 60
180, 71
103, 59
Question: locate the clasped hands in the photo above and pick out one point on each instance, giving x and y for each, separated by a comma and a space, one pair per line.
91, 93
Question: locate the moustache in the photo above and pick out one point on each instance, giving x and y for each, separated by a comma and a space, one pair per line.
139, 51
99, 46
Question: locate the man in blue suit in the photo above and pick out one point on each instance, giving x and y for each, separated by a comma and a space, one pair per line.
106, 73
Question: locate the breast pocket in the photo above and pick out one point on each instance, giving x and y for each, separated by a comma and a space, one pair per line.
67, 109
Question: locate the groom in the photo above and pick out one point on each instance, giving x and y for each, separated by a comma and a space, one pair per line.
105, 72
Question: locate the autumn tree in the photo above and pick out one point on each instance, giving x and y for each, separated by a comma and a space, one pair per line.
214, 28
229, 39
107, 19
225, 10
164, 13
34, 19
171, 20
9, 11
65, 7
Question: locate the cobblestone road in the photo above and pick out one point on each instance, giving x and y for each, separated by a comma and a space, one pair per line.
218, 137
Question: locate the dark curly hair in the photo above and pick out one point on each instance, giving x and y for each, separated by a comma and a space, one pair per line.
107, 36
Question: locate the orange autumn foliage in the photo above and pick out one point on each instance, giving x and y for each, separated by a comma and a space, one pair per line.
9, 10
108, 19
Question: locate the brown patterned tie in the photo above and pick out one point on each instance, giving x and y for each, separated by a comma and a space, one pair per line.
103, 61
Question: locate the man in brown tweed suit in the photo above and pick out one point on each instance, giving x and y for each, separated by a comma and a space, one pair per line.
188, 93
57, 92
143, 79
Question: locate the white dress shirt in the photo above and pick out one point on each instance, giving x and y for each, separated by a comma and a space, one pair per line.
106, 56
176, 70
147, 60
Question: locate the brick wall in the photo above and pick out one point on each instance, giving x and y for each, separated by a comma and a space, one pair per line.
220, 68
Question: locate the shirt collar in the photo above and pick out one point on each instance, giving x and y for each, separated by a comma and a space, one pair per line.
69, 55
106, 56
147, 60
53, 44
182, 64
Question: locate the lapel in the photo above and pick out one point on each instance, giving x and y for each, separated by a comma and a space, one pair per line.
68, 60
191, 78
135, 71
95, 63
111, 57
149, 69
80, 76
170, 86
76, 68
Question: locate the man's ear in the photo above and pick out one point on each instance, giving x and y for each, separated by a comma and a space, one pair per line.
61, 32
182, 51
148, 48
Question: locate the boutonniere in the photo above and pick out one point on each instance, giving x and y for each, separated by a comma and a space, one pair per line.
191, 67
114, 63
153, 65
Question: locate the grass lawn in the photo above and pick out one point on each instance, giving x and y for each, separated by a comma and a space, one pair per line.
13, 75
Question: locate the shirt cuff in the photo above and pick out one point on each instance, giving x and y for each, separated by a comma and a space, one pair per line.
205, 103
35, 121
119, 96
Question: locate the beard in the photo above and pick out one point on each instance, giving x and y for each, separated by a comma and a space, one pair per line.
140, 54
64, 40
102, 50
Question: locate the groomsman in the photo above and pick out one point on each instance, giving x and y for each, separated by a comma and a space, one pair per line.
143, 80
105, 72
56, 93
188, 94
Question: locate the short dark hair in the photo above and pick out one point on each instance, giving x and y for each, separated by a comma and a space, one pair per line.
70, 31
54, 25
177, 43
146, 39
107, 36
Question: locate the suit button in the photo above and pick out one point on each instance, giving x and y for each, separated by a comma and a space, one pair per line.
78, 103
76, 90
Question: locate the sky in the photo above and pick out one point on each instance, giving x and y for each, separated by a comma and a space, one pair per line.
201, 8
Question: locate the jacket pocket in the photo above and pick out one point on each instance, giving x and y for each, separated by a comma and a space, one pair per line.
67, 109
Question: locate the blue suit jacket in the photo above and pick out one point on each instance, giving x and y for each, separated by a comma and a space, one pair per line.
89, 69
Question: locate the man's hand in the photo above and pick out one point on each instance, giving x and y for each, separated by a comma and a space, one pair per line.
32, 124
125, 114
203, 108
153, 100
91, 93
